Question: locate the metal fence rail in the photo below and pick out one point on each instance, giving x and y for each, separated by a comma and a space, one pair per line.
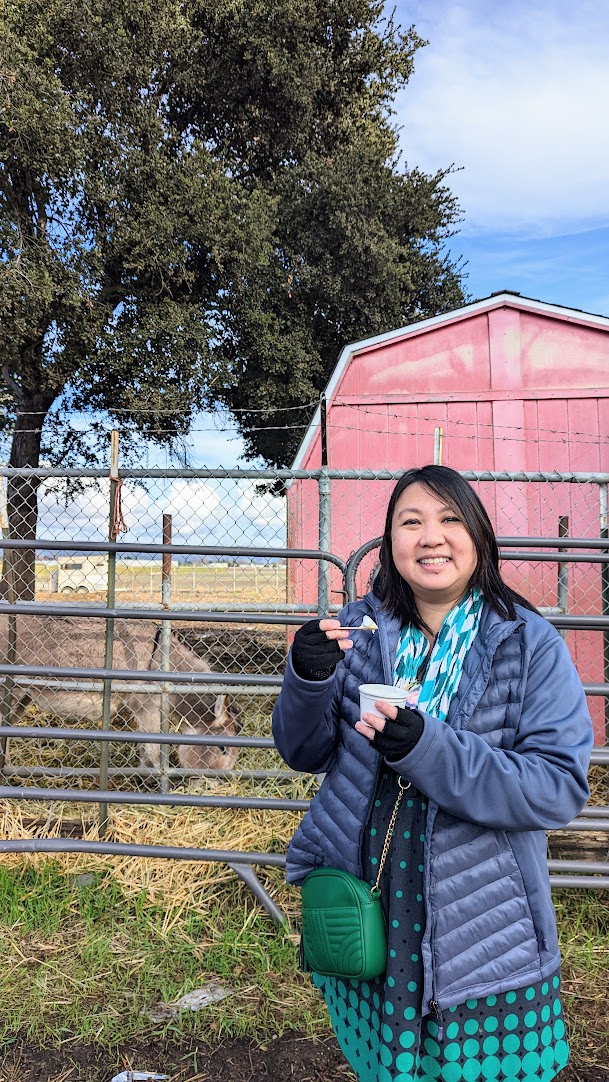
267, 563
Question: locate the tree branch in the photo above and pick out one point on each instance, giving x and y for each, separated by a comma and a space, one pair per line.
12, 383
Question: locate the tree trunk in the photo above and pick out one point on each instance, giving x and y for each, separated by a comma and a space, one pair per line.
18, 569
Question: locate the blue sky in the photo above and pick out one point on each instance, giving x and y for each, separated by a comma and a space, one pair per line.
515, 96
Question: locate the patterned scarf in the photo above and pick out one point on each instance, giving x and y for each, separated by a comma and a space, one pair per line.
445, 667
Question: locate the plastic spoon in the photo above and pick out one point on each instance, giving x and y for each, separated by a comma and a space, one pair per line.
366, 625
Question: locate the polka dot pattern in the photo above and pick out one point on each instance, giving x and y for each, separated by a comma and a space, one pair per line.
516, 1036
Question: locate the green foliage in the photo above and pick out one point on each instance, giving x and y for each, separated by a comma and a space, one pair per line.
200, 203
118, 232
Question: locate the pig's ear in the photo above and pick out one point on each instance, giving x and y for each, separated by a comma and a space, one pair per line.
224, 715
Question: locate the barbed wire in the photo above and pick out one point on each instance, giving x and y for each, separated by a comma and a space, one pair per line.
495, 437
191, 431
455, 421
176, 410
592, 438
474, 436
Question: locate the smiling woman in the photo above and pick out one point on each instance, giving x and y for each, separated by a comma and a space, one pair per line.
487, 758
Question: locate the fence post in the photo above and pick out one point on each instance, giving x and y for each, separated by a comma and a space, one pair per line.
109, 639
323, 542
604, 532
165, 651
437, 446
563, 576
323, 576
11, 643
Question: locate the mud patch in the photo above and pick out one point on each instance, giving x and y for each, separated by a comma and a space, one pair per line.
292, 1058
289, 1059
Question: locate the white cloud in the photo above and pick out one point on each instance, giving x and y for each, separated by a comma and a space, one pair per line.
85, 515
265, 515
214, 512
517, 96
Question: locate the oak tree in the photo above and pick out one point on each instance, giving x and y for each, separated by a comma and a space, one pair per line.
200, 203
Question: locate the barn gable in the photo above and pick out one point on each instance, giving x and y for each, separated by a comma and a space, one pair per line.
493, 375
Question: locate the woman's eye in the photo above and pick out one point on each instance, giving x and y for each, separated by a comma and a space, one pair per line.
451, 518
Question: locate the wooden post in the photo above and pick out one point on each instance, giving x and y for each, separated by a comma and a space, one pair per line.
437, 446
11, 645
165, 651
109, 644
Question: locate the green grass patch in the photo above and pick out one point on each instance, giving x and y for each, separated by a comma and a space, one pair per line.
87, 961
583, 928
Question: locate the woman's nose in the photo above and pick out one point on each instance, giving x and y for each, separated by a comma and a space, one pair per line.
431, 535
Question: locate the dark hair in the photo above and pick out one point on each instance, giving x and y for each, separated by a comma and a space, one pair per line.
449, 486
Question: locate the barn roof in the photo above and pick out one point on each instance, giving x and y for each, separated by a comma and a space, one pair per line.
501, 299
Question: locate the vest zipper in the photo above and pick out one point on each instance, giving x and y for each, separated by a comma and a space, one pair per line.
437, 1013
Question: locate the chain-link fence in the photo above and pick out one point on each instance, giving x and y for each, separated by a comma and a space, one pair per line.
234, 565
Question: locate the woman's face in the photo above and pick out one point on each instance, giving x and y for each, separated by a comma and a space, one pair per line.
432, 549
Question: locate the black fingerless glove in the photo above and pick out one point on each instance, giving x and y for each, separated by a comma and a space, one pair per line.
401, 736
314, 655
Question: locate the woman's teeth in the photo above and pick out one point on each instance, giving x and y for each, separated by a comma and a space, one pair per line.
436, 560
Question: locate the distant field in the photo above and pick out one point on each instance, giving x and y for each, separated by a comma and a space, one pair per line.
247, 583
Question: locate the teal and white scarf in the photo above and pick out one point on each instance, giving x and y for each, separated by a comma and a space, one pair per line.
445, 667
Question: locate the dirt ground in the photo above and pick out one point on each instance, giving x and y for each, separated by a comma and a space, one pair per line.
289, 1059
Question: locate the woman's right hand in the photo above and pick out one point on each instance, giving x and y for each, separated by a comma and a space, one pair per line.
318, 647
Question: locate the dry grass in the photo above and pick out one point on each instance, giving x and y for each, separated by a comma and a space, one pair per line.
157, 928
172, 883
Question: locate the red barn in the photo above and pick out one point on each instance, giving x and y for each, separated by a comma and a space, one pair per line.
504, 384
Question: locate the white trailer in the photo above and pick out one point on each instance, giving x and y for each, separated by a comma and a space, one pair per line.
81, 575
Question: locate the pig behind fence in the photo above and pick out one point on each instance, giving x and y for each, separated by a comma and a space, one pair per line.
61, 642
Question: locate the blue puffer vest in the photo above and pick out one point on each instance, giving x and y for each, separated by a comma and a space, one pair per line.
509, 763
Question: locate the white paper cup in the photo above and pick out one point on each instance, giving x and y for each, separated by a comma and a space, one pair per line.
370, 693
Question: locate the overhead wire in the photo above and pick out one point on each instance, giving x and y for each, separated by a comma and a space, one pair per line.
175, 409
527, 430
455, 421
496, 437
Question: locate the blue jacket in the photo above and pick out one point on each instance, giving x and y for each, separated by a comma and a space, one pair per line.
509, 763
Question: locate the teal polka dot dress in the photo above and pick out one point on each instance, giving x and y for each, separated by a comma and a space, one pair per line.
517, 1036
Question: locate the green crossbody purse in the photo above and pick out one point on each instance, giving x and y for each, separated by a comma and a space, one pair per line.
343, 925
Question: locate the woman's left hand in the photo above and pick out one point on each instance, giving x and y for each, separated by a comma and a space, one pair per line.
395, 733
372, 724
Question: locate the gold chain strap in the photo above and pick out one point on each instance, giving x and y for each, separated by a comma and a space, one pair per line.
376, 890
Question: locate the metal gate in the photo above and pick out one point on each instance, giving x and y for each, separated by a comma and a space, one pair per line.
250, 570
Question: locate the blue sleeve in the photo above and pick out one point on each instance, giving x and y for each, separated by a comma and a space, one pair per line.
305, 727
306, 714
541, 784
